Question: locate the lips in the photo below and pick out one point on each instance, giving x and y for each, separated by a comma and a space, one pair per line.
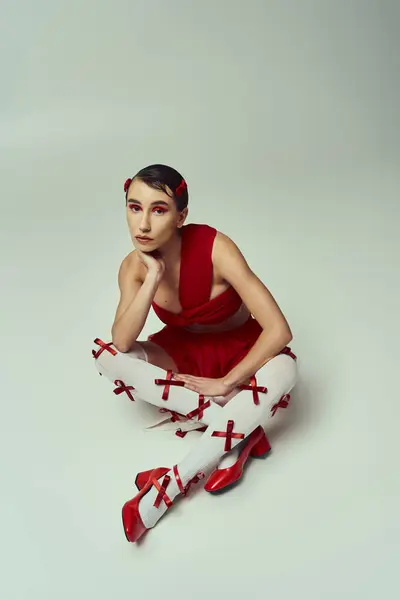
144, 239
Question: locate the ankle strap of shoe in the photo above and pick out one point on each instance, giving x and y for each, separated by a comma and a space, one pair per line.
195, 479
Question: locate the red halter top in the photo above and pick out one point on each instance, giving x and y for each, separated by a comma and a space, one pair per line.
195, 283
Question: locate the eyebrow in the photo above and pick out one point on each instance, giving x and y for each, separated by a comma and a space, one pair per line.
152, 204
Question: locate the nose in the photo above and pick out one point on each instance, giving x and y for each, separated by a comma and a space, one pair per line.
145, 223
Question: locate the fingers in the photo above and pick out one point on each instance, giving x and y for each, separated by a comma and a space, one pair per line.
188, 380
185, 377
191, 382
193, 388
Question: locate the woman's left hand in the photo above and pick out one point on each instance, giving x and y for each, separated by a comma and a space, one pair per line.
204, 385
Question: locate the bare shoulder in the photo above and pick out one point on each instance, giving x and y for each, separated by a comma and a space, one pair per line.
231, 265
131, 268
227, 256
224, 243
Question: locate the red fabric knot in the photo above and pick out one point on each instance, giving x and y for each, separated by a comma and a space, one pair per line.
228, 434
184, 490
255, 389
127, 184
103, 346
162, 496
181, 188
174, 415
198, 477
283, 403
289, 352
121, 387
199, 411
181, 433
167, 383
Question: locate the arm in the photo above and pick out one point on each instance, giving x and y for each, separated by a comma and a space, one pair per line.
135, 301
276, 334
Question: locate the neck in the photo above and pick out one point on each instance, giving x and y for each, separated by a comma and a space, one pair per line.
171, 251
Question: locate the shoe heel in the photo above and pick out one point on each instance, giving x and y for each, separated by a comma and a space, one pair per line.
261, 448
142, 478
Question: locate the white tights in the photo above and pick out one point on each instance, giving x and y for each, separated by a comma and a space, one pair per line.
227, 426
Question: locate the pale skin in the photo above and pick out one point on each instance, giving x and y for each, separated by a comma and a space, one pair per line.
151, 272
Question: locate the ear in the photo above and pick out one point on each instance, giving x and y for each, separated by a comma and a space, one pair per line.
182, 217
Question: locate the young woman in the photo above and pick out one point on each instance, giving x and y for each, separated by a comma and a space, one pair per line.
221, 362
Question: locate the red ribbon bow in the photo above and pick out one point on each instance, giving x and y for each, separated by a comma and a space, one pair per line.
199, 412
255, 389
228, 434
162, 495
167, 383
181, 188
283, 403
289, 352
121, 387
103, 346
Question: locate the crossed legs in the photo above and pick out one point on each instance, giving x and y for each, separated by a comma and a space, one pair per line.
226, 426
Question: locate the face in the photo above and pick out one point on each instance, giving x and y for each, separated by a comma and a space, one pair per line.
151, 214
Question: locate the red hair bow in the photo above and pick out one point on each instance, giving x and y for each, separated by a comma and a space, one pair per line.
181, 187
127, 184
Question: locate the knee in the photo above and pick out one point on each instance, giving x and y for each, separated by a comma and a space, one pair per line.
121, 348
136, 351
287, 368
128, 349
282, 368
109, 356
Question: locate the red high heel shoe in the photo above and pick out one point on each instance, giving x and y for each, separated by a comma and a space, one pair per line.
142, 478
133, 525
132, 522
257, 446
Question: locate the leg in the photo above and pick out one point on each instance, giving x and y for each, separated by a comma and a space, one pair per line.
228, 425
147, 351
251, 407
130, 373
150, 382
158, 356
153, 385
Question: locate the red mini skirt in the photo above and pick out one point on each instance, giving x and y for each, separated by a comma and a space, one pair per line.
211, 354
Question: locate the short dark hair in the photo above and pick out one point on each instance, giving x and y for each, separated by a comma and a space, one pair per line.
161, 177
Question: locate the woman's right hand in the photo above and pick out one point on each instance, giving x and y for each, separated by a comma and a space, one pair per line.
154, 264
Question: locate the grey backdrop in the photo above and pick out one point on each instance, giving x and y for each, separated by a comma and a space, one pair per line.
283, 117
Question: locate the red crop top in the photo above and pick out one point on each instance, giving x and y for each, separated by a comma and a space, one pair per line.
196, 275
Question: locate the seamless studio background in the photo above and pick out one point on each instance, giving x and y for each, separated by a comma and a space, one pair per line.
283, 117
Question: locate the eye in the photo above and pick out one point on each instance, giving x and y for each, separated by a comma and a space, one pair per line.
134, 207
160, 211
